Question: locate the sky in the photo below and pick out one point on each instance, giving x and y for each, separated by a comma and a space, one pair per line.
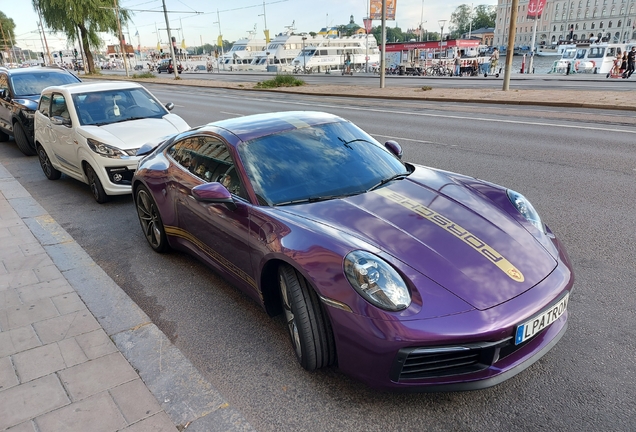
237, 18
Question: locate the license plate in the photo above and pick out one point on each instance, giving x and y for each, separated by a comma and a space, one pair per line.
534, 325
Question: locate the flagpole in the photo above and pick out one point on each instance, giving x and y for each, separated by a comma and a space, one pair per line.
532, 47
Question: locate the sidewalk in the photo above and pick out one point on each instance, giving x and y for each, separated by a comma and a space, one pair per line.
76, 354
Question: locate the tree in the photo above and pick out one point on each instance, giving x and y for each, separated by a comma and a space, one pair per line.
484, 16
85, 18
460, 21
7, 34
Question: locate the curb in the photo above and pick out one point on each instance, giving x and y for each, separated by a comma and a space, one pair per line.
182, 392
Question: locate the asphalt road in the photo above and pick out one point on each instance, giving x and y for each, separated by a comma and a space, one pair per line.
577, 167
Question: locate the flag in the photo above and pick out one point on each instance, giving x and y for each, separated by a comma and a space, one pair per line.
368, 23
158, 46
266, 36
535, 8
183, 45
137, 33
219, 40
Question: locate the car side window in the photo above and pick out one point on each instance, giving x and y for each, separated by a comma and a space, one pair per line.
4, 83
45, 104
209, 159
58, 106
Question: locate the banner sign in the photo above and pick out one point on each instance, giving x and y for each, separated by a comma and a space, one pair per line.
368, 24
376, 9
535, 8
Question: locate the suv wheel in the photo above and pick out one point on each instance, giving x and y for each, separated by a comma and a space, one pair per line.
21, 140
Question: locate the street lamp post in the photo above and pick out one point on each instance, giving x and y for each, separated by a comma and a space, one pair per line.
441, 35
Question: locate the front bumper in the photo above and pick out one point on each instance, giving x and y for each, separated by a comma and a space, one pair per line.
376, 351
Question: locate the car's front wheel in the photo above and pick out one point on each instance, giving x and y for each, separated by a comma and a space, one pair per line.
306, 320
49, 171
96, 185
150, 220
21, 140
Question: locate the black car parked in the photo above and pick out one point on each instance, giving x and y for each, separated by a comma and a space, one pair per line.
19, 95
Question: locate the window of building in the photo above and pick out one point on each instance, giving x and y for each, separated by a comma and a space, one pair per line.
600, 25
584, 26
587, 13
592, 26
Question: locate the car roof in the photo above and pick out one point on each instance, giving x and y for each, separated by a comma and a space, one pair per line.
39, 69
86, 87
247, 128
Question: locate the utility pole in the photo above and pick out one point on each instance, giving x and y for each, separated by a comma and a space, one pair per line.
48, 52
511, 44
121, 38
383, 54
175, 68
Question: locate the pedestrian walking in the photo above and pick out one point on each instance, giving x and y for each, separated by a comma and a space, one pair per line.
458, 64
631, 62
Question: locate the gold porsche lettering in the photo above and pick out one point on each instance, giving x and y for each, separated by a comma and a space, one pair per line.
470, 239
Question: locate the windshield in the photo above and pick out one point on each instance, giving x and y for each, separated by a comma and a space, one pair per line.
318, 162
33, 83
114, 106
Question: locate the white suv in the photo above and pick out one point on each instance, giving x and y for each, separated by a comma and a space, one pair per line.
91, 132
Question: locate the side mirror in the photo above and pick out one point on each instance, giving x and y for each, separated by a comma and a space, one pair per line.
394, 148
61, 121
213, 193
169, 106
4, 93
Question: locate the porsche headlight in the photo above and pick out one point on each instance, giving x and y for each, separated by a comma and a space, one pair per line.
105, 150
526, 209
376, 281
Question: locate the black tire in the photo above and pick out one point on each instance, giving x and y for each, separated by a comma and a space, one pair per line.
3, 137
96, 185
306, 321
22, 141
47, 167
150, 220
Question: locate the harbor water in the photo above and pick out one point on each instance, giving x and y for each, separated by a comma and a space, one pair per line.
541, 65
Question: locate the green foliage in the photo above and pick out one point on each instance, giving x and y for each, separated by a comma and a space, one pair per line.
8, 31
482, 16
144, 75
427, 88
85, 18
280, 80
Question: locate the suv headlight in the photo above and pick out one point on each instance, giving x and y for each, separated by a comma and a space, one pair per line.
526, 209
106, 150
376, 281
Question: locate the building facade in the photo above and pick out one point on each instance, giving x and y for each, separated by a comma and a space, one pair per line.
564, 20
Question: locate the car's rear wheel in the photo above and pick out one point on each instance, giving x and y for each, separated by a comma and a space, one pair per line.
49, 171
306, 320
22, 141
96, 185
150, 220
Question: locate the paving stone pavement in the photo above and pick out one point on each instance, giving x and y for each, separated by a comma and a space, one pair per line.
63, 369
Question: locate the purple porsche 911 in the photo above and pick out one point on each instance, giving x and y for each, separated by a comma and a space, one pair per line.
405, 276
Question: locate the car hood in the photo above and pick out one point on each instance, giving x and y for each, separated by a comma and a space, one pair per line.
445, 230
135, 133
29, 102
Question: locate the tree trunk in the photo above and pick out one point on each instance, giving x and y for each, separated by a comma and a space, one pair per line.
87, 49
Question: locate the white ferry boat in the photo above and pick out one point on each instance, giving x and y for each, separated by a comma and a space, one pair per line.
326, 53
280, 53
242, 52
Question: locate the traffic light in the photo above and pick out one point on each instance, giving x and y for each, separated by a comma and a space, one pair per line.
42, 55
60, 55
75, 52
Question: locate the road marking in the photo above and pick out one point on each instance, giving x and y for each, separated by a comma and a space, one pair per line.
231, 113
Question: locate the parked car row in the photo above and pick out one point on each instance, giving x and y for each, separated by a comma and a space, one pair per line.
406, 277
